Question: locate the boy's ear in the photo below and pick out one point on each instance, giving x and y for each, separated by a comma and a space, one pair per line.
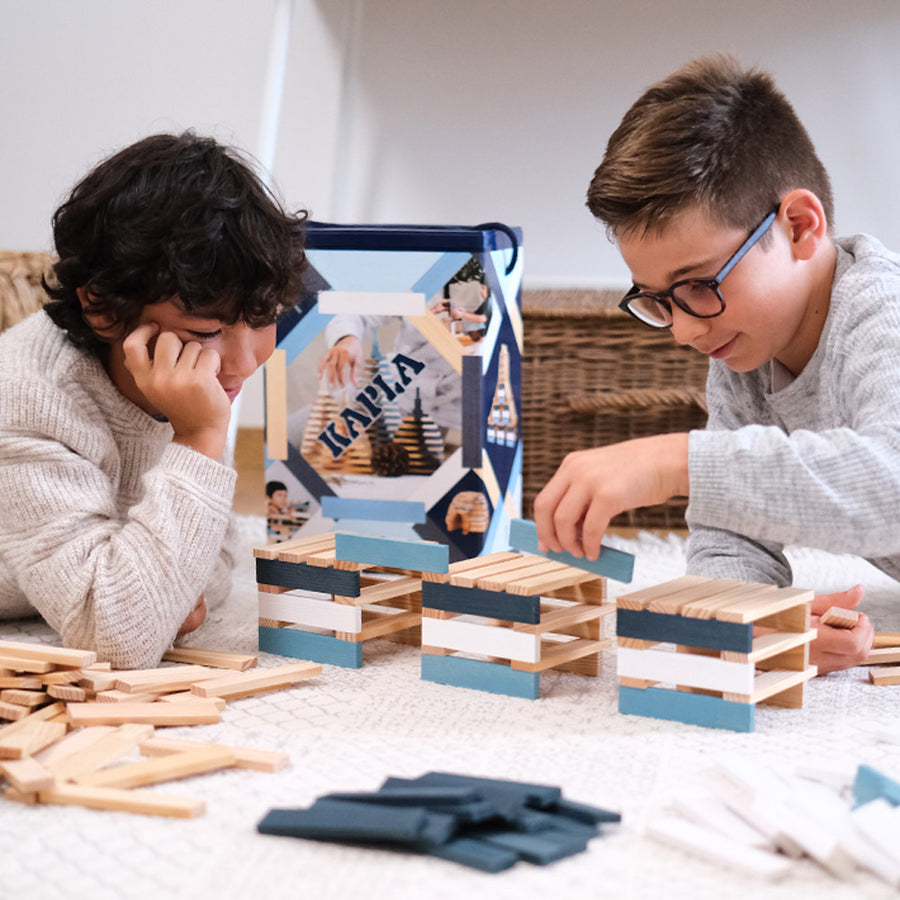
105, 328
806, 221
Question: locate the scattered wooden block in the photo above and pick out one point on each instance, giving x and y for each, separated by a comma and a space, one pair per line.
199, 712
245, 684
100, 747
55, 655
27, 774
883, 675
244, 757
28, 740
882, 655
148, 803
164, 768
163, 680
838, 617
886, 639
216, 658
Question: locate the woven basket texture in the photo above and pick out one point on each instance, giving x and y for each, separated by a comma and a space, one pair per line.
21, 293
592, 375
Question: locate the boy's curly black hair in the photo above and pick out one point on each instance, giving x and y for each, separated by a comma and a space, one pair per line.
173, 215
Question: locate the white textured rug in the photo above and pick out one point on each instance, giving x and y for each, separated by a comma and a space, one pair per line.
350, 729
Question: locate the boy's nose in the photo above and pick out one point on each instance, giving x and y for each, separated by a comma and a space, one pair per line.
246, 350
686, 328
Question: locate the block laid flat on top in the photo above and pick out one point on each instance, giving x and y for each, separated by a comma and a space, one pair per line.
611, 563
422, 556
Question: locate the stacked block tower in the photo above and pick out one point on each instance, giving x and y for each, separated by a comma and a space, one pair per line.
496, 622
322, 597
706, 651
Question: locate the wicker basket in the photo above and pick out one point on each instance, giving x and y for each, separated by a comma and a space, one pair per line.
20, 285
592, 375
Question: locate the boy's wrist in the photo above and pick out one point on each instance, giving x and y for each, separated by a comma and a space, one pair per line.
208, 441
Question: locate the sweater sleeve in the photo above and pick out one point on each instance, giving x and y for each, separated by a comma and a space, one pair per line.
109, 571
817, 462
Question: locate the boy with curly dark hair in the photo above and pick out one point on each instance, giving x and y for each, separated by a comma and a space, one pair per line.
174, 261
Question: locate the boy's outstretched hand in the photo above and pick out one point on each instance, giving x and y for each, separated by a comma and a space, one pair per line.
840, 648
179, 381
591, 486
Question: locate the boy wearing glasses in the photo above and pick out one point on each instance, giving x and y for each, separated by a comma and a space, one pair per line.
722, 211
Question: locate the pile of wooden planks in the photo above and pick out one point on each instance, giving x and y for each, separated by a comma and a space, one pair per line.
73, 722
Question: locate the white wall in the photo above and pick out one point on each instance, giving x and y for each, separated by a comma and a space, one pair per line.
452, 112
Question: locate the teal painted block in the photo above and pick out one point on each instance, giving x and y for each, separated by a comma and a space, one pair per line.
481, 676
373, 550
373, 510
692, 709
321, 648
610, 563
870, 784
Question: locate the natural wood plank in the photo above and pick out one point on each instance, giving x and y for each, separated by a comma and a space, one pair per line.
166, 678
766, 605
27, 774
200, 712
219, 659
886, 639
838, 617
23, 697
247, 683
56, 655
161, 769
148, 803
106, 749
707, 607
882, 655
768, 684
766, 646
672, 604
557, 653
884, 675
32, 737
244, 757
642, 598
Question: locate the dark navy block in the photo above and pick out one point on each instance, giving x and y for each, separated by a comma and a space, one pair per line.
541, 847
478, 602
412, 795
309, 578
540, 796
708, 633
472, 412
581, 812
476, 854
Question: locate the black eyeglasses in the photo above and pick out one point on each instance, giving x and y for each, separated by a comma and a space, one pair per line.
698, 297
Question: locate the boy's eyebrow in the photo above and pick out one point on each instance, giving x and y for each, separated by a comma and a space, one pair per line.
679, 273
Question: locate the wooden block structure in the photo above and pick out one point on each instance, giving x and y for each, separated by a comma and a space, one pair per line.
495, 622
706, 651
321, 598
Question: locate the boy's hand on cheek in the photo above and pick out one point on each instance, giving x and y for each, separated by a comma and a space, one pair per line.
180, 381
591, 486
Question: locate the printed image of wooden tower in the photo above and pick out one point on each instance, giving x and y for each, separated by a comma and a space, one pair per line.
422, 440
357, 458
502, 424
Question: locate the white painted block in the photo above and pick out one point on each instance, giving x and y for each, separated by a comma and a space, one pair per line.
484, 640
369, 303
711, 845
688, 669
306, 609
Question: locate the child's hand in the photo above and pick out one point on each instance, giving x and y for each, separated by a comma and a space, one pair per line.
195, 619
591, 486
840, 648
179, 381
345, 355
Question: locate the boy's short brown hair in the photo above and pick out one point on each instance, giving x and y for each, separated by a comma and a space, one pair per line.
711, 135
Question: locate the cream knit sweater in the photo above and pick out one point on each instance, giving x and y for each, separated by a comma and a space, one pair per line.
107, 529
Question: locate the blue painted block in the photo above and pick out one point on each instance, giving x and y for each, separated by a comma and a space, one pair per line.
611, 563
476, 854
708, 633
412, 795
523, 793
478, 602
693, 709
472, 412
321, 648
481, 676
373, 510
540, 847
309, 578
870, 784
581, 812
381, 551
342, 820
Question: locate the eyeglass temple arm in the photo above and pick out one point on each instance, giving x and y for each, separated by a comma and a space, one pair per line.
748, 244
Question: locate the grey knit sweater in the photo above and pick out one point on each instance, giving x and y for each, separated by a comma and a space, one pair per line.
107, 529
813, 461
